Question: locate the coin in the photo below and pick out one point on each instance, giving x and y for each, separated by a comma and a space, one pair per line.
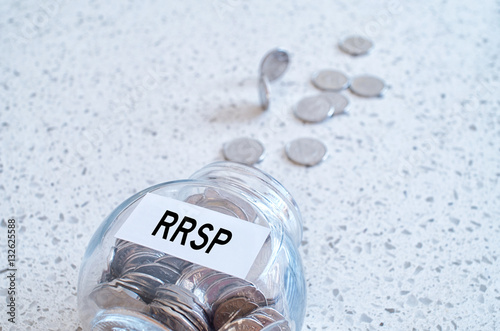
314, 109
107, 296
338, 101
232, 309
172, 318
264, 92
330, 80
182, 301
306, 151
274, 64
244, 150
368, 86
243, 209
107, 273
193, 275
147, 284
165, 273
242, 324
224, 206
174, 262
194, 199
124, 319
271, 312
356, 45
261, 318
138, 259
125, 251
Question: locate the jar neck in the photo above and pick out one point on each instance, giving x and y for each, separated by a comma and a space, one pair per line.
260, 185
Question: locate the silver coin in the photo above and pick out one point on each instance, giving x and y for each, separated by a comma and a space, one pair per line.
227, 204
177, 294
306, 151
368, 86
241, 208
138, 259
192, 276
107, 274
330, 80
173, 319
107, 296
124, 252
182, 301
124, 319
338, 101
244, 150
274, 64
201, 289
163, 272
147, 284
314, 109
356, 45
195, 317
174, 262
264, 92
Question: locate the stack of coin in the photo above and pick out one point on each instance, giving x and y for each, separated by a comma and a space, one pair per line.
142, 285
178, 309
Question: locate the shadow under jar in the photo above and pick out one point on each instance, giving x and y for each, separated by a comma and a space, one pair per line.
125, 285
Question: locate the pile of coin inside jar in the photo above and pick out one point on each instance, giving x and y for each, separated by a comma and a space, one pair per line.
311, 109
173, 294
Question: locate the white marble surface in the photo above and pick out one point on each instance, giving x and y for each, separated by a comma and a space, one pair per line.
102, 99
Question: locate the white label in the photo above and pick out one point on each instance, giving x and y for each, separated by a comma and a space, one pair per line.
195, 234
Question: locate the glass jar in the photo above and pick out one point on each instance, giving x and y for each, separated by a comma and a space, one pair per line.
127, 286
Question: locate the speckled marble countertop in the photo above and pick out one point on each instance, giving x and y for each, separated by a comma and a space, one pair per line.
100, 100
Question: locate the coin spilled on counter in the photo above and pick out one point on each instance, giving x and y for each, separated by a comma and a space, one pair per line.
306, 151
356, 45
314, 109
330, 80
310, 109
368, 86
244, 150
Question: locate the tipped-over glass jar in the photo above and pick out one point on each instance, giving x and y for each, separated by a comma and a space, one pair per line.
218, 251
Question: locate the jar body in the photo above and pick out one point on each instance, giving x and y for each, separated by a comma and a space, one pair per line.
123, 285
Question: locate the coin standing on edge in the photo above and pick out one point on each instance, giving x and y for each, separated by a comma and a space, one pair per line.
356, 45
264, 92
368, 86
330, 80
244, 150
306, 151
274, 64
314, 109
